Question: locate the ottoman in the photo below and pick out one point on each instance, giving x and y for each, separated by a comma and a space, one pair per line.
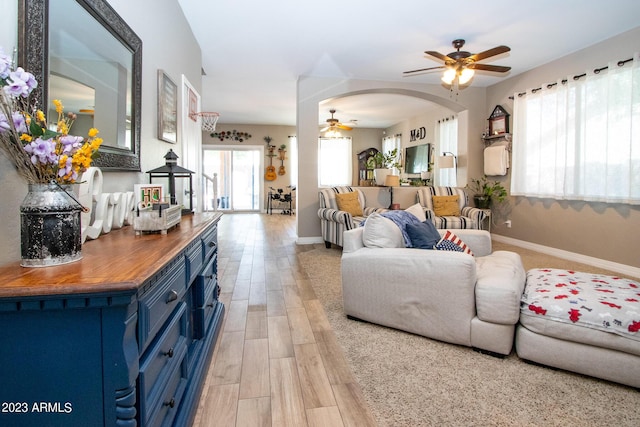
581, 322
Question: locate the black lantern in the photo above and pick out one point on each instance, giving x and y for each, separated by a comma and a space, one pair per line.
172, 171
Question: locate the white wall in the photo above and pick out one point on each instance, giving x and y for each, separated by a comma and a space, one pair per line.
168, 44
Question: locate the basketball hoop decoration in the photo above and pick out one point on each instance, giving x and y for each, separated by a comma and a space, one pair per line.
208, 120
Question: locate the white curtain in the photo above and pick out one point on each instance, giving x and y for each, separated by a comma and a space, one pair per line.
389, 143
580, 140
447, 137
293, 156
334, 161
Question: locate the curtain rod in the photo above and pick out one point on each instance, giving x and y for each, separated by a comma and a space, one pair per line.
446, 119
576, 77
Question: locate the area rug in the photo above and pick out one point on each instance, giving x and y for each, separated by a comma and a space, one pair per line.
410, 380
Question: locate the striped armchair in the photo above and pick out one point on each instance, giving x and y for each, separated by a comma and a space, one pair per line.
470, 218
334, 222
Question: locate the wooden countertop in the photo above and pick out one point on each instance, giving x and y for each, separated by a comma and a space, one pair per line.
117, 261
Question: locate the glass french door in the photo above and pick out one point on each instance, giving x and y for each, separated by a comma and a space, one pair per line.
238, 178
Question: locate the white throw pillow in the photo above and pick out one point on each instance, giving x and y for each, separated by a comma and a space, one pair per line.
381, 232
417, 211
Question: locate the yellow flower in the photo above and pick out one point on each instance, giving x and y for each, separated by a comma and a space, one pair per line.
26, 137
40, 116
93, 132
59, 107
62, 127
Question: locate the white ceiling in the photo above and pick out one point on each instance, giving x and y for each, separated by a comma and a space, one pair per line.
253, 54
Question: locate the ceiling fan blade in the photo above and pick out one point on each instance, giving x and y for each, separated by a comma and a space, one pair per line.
326, 128
489, 53
424, 69
438, 55
485, 67
343, 127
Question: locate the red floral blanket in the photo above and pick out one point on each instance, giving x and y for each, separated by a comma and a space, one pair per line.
606, 303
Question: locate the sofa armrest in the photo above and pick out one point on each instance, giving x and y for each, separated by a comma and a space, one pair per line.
470, 212
353, 240
478, 240
369, 210
336, 215
429, 214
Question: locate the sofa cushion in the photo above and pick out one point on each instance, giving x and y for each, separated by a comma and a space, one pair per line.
499, 286
446, 205
349, 202
423, 235
451, 242
418, 211
381, 232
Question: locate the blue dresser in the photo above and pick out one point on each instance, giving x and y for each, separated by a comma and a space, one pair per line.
122, 337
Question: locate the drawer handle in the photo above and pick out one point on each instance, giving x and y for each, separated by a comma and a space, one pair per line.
210, 305
172, 296
171, 403
209, 276
169, 353
212, 244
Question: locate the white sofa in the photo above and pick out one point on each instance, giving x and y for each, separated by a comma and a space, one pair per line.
444, 295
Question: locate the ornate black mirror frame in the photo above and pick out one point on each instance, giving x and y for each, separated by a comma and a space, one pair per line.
33, 51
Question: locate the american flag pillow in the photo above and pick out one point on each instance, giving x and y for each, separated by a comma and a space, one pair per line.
451, 242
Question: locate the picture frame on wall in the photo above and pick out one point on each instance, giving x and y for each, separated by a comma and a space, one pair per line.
167, 108
193, 105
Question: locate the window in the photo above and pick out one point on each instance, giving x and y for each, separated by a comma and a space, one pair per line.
389, 143
580, 139
448, 143
334, 161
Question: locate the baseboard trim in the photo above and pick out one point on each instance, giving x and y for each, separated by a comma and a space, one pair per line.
624, 269
309, 240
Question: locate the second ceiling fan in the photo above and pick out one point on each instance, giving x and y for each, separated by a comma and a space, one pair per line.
461, 64
333, 123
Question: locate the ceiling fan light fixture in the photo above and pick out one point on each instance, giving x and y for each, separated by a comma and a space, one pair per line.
449, 76
465, 76
333, 133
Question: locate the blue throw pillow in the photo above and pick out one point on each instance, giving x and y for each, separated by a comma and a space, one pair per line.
423, 235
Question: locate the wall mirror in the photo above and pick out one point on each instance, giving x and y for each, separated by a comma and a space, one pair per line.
83, 53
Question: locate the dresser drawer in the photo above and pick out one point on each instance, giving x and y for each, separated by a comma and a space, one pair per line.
205, 281
194, 258
202, 315
160, 301
171, 395
210, 242
160, 361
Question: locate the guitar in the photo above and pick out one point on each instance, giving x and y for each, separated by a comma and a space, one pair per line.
281, 170
270, 174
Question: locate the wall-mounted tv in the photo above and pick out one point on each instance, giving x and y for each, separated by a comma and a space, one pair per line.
417, 158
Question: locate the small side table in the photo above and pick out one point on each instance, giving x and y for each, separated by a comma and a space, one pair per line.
486, 222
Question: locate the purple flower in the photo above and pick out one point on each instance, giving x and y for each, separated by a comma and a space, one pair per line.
42, 151
67, 169
20, 83
5, 64
70, 143
19, 122
4, 123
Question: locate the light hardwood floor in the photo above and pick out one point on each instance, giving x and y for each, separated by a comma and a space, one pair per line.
277, 361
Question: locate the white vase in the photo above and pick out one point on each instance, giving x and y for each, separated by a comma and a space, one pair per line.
380, 175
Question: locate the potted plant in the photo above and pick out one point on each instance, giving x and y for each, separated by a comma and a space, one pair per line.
383, 163
485, 192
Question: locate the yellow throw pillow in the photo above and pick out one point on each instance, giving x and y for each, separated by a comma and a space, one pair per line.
446, 205
349, 202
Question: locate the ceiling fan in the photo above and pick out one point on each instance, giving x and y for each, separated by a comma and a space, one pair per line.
460, 64
333, 123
